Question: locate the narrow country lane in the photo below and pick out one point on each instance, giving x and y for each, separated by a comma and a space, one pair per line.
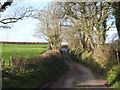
78, 76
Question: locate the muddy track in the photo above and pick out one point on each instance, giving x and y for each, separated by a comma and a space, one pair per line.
78, 76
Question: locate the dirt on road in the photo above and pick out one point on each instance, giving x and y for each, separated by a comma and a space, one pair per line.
77, 76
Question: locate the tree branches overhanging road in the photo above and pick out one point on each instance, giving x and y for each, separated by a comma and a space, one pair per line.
90, 23
81, 24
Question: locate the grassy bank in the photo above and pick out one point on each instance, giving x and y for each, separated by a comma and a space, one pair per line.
35, 72
107, 68
34, 76
31, 68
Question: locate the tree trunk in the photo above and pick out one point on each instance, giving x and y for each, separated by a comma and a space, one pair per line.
116, 6
118, 24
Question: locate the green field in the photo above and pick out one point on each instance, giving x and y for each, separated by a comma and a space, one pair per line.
26, 51
29, 75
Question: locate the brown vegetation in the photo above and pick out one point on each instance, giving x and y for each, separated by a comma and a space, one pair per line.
19, 61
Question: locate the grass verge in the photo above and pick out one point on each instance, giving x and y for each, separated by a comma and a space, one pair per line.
36, 72
108, 70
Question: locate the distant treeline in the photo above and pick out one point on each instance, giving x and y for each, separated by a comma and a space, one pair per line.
43, 43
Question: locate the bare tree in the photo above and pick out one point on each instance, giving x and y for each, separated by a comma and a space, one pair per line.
90, 19
50, 25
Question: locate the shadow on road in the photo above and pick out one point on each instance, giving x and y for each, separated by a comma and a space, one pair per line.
78, 76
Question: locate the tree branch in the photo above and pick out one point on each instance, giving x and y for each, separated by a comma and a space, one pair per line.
25, 13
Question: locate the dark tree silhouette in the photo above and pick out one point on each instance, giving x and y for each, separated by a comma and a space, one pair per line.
116, 7
5, 4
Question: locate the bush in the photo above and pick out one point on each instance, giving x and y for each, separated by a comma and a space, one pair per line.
36, 72
102, 61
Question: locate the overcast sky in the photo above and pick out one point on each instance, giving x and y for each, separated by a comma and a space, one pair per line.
24, 30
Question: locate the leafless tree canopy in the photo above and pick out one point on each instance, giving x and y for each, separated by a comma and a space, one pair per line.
50, 25
84, 24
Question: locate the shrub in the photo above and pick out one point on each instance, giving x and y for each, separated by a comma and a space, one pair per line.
36, 72
102, 60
